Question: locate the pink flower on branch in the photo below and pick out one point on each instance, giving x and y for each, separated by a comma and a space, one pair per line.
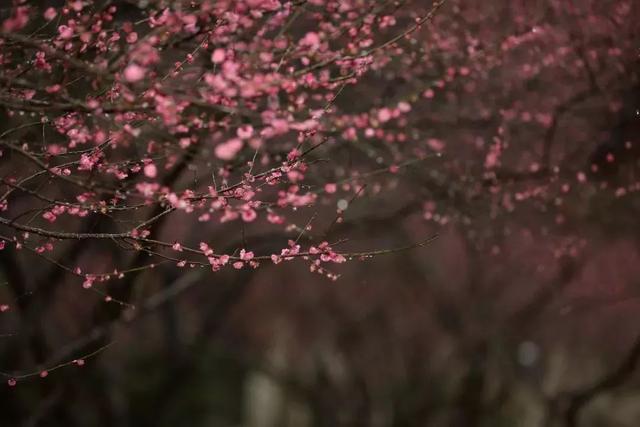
134, 73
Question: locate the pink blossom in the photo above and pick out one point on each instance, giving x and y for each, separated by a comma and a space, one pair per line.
269, 5
206, 249
65, 32
147, 189
330, 188
218, 56
87, 162
275, 219
132, 37
18, 20
311, 40
249, 215
228, 150
404, 106
582, 178
88, 281
492, 158
49, 216
384, 115
53, 88
50, 14
435, 144
245, 132
150, 170
168, 109
134, 73
280, 126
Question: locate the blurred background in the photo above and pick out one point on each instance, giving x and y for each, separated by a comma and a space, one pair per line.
523, 312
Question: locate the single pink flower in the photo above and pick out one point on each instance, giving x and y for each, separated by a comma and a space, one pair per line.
384, 115
311, 40
134, 73
228, 150
65, 32
50, 14
150, 170
218, 56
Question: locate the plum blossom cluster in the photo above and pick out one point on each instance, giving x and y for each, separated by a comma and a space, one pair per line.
136, 127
